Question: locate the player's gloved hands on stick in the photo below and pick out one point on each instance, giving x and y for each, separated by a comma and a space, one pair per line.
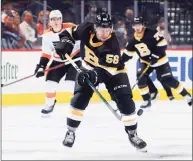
87, 75
153, 59
39, 71
121, 65
66, 45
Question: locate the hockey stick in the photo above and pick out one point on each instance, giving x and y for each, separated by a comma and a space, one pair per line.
142, 74
29, 76
140, 111
94, 89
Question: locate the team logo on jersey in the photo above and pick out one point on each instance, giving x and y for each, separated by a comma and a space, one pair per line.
120, 86
139, 69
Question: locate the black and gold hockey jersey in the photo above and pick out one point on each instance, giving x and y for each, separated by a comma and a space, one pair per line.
95, 53
150, 44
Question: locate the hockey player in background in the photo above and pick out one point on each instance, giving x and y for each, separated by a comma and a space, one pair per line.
101, 63
151, 47
53, 77
154, 91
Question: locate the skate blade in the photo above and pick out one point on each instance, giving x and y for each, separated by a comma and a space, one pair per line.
45, 115
143, 150
69, 145
190, 103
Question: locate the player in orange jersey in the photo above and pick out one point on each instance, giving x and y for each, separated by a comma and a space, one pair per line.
53, 77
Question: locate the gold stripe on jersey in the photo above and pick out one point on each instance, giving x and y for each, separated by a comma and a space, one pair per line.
113, 69
160, 61
97, 44
129, 53
162, 43
70, 31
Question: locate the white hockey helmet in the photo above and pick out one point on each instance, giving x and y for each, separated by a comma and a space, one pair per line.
55, 13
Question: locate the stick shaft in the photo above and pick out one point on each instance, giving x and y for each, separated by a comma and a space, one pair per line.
93, 87
29, 76
142, 74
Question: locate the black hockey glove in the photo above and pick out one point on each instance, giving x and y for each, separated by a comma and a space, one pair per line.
153, 59
66, 45
39, 71
121, 65
87, 75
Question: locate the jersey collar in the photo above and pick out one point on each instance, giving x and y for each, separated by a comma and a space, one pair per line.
57, 31
139, 37
96, 44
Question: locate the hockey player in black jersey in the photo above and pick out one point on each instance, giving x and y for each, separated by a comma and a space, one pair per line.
153, 90
151, 46
101, 63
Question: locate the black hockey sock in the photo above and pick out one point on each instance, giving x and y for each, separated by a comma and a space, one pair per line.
129, 128
72, 124
152, 88
168, 90
146, 97
184, 92
144, 91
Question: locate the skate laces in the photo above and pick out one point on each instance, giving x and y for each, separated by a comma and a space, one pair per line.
48, 108
69, 137
136, 139
145, 103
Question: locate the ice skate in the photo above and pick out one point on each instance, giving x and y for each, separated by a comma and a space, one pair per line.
138, 143
171, 98
188, 97
47, 110
146, 104
69, 138
154, 95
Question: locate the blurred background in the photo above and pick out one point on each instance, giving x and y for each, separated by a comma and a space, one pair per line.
23, 21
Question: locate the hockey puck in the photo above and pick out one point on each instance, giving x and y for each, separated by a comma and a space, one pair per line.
139, 112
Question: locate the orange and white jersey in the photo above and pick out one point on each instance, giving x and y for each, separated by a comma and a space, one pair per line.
50, 37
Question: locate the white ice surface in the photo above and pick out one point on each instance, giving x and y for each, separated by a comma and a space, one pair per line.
167, 129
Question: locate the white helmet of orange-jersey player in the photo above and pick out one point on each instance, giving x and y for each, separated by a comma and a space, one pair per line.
55, 14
